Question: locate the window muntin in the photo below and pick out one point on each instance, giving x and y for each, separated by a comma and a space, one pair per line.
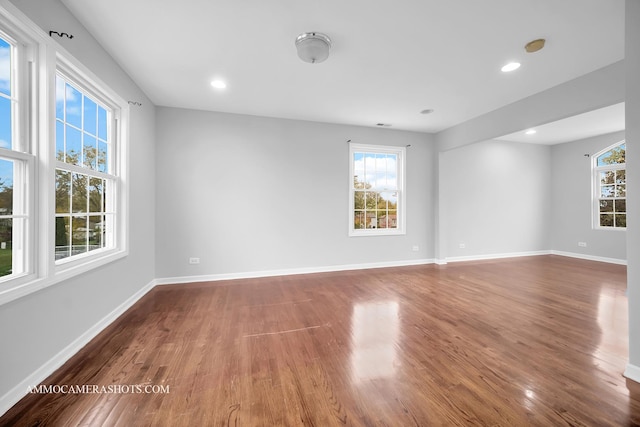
377, 190
84, 185
610, 210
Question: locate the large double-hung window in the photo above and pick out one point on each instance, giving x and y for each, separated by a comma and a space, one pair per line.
610, 184
62, 163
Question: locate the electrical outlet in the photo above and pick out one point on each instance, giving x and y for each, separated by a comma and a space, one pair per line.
582, 244
415, 248
462, 245
194, 260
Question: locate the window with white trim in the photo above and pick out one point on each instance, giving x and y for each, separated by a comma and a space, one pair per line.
85, 180
16, 161
610, 185
63, 191
377, 190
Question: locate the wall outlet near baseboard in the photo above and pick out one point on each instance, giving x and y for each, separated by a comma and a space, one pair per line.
462, 245
194, 260
582, 244
415, 248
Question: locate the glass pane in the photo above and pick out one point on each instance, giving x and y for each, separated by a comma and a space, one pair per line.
5, 67
358, 162
358, 220
73, 106
371, 199
621, 190
621, 177
607, 177
78, 235
60, 141
63, 191
59, 98
613, 156
95, 195
607, 190
73, 145
102, 123
89, 151
63, 249
393, 219
90, 118
103, 157
391, 199
95, 232
621, 220
6, 187
621, 205
5, 123
606, 205
6, 252
358, 199
606, 220
381, 219
79, 192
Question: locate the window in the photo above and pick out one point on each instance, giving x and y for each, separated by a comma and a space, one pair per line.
377, 190
85, 183
15, 161
63, 192
610, 184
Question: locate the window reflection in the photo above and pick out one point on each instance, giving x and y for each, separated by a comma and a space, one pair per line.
374, 328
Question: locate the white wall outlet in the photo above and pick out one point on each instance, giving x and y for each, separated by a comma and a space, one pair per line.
462, 245
415, 248
194, 260
582, 244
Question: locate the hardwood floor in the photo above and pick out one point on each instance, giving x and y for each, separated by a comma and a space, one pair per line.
523, 341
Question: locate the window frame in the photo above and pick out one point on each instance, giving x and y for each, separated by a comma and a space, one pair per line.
400, 152
597, 185
43, 57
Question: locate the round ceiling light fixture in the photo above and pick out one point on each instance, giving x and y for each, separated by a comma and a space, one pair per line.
534, 45
511, 66
313, 47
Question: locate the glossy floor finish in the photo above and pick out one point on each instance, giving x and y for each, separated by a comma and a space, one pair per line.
526, 341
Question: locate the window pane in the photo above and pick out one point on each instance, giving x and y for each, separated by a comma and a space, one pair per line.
5, 67
60, 141
606, 205
358, 199
393, 219
613, 156
89, 151
103, 157
95, 232
621, 220
78, 235
390, 198
606, 220
621, 190
102, 123
6, 252
358, 220
73, 106
73, 145
5, 123
63, 191
607, 190
95, 195
621, 206
90, 118
63, 248
621, 177
59, 98
607, 177
371, 200
6, 187
79, 195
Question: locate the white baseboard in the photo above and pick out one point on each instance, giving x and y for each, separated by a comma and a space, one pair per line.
14, 395
590, 257
632, 372
288, 272
495, 256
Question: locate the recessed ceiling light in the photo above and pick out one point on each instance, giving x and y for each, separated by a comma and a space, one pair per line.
530, 132
218, 84
427, 111
511, 66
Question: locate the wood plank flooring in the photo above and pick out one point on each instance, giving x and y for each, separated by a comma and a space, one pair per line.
526, 341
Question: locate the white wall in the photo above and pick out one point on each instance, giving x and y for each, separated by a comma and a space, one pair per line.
251, 194
37, 329
571, 201
495, 196
632, 111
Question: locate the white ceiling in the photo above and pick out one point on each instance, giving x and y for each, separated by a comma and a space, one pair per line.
389, 60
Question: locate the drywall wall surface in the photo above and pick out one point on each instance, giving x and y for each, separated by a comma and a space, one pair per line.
495, 196
249, 194
572, 201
